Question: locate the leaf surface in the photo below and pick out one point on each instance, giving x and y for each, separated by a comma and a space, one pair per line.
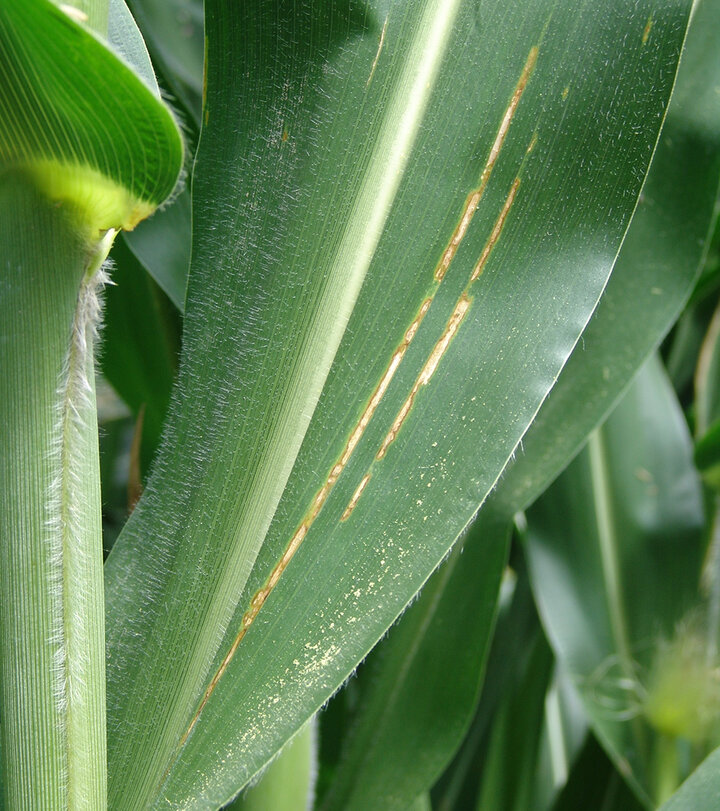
615, 551
658, 264
423, 681
700, 790
93, 135
335, 315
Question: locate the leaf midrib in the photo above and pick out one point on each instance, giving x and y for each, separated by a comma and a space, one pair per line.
397, 133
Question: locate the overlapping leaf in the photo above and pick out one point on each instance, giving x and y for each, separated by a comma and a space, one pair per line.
615, 548
333, 153
92, 133
654, 274
422, 683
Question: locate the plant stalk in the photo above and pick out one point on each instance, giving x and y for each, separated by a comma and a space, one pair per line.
52, 659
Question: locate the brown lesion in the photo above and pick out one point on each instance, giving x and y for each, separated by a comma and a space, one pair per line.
471, 205
428, 370
647, 29
377, 55
318, 503
355, 497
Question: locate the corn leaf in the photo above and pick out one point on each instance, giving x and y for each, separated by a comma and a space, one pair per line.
615, 549
403, 217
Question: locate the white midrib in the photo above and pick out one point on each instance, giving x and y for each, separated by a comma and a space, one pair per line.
608, 544
398, 132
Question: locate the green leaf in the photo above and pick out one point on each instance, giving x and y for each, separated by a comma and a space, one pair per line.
564, 729
126, 41
701, 790
423, 681
174, 33
707, 404
288, 783
421, 803
510, 769
683, 346
654, 274
516, 631
322, 171
707, 401
141, 344
707, 455
615, 552
58, 125
162, 244
116, 436
595, 785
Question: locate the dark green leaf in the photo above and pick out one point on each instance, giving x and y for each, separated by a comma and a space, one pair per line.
595, 785
654, 274
423, 680
615, 547
141, 342
174, 32
162, 245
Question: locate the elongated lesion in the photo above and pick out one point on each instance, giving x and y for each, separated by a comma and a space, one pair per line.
317, 504
355, 497
471, 205
379, 51
496, 231
473, 200
429, 368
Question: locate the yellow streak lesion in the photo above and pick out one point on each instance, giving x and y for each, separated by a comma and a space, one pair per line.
473, 199
426, 373
496, 231
647, 29
318, 502
377, 55
428, 370
355, 497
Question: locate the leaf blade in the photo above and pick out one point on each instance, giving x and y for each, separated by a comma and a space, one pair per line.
497, 311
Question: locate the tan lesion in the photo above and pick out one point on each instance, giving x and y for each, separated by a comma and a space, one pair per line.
473, 199
647, 30
429, 368
355, 497
379, 51
317, 504
496, 231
